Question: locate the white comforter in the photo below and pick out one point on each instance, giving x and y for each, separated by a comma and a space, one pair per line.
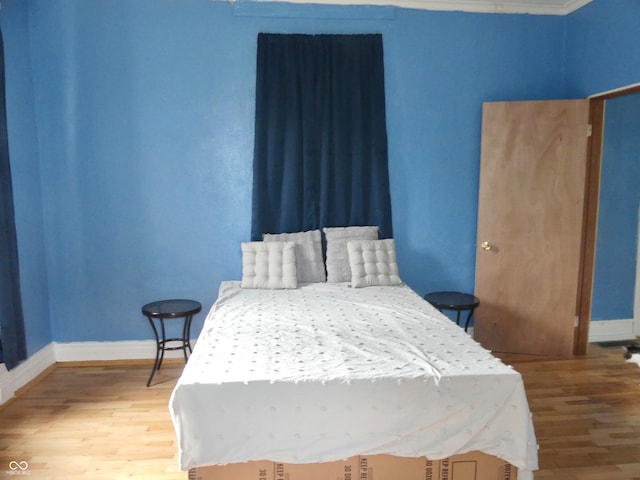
327, 371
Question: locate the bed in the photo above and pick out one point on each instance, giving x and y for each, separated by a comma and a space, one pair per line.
325, 371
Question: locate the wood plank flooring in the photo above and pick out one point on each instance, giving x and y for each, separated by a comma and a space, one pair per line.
586, 413
94, 422
99, 421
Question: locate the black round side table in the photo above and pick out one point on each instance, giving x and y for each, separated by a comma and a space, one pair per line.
166, 309
456, 301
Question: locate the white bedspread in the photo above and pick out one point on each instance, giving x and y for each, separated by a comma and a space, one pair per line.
327, 371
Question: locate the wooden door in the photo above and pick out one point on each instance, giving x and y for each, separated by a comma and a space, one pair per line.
530, 219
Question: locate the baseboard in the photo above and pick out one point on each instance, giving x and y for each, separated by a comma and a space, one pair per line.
610, 330
125, 350
27, 371
4, 384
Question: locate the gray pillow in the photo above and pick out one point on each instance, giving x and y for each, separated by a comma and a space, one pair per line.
309, 262
338, 269
373, 262
269, 265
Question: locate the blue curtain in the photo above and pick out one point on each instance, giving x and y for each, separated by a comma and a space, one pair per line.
320, 154
11, 321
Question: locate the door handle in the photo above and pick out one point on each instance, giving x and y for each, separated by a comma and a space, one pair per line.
486, 246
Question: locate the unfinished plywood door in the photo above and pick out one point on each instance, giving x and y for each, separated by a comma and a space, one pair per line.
530, 216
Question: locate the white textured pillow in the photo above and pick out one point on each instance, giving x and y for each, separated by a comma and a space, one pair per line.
269, 265
373, 262
338, 269
309, 262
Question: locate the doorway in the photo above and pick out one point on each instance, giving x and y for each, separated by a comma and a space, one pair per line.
590, 236
583, 312
530, 212
612, 305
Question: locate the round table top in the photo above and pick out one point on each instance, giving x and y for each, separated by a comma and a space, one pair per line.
452, 300
171, 308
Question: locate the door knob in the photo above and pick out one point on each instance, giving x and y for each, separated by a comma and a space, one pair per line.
486, 246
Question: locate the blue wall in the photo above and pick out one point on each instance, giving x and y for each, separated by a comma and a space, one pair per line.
145, 131
601, 46
617, 240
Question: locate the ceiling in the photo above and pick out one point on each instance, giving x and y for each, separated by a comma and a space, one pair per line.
537, 7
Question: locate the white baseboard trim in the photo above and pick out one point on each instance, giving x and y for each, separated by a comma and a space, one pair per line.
611, 330
4, 384
25, 372
125, 350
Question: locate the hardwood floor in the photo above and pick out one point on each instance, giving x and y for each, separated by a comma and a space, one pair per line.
100, 421
94, 422
586, 413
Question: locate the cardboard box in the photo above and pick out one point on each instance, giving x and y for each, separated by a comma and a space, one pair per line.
262, 470
340, 470
468, 466
382, 467
476, 466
